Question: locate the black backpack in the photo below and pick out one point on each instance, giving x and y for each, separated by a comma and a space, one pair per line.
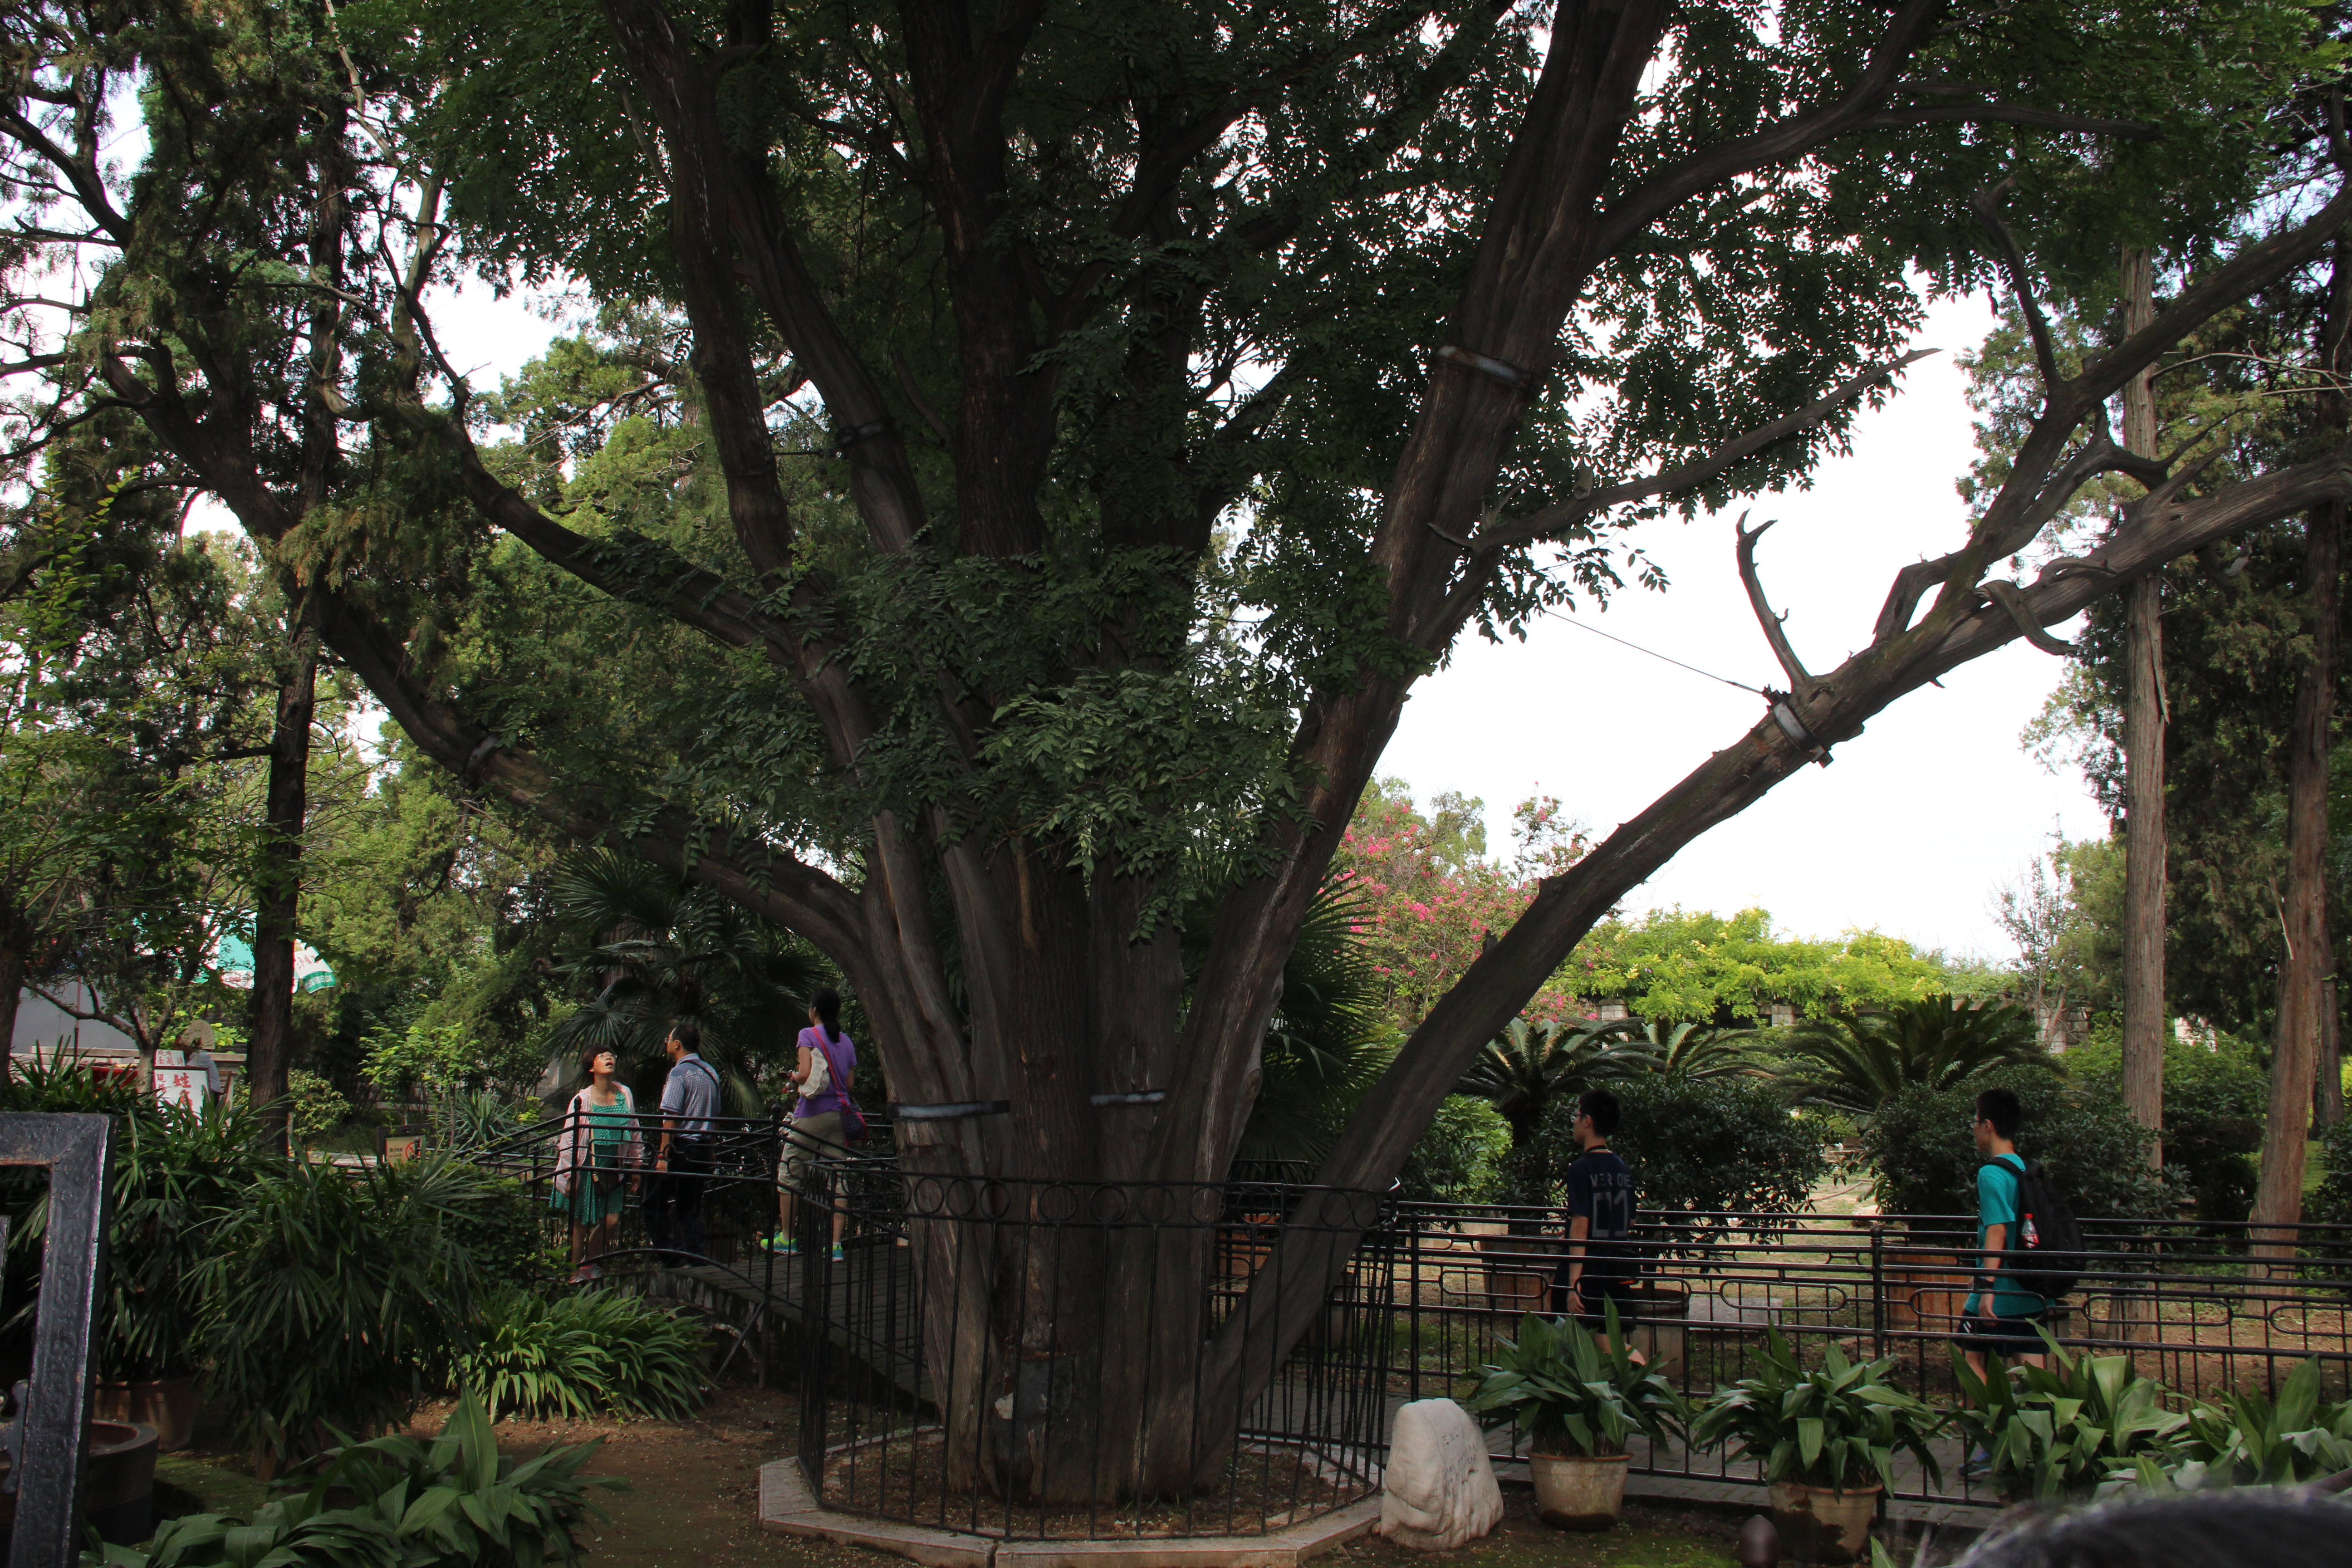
2046, 1254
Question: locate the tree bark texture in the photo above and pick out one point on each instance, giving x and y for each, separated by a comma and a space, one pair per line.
2145, 852
2328, 1088
277, 881
2307, 966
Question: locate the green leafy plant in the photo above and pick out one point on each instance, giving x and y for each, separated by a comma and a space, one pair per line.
2062, 1430
2252, 1440
583, 1355
1920, 1146
363, 1271
1837, 1425
1857, 1061
1558, 1387
452, 1501
315, 1108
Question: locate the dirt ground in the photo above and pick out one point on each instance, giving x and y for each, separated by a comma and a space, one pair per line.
694, 1491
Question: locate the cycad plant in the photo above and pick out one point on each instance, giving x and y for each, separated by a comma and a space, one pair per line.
1689, 1050
1858, 1061
644, 949
1526, 1067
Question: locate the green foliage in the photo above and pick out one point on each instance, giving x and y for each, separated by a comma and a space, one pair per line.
1922, 1150
1329, 1037
1837, 1425
62, 1082
1558, 1387
503, 1228
588, 1353
2215, 1099
1461, 1158
1700, 1146
1692, 965
440, 1504
2331, 1204
2253, 1441
2062, 1430
314, 1109
1530, 1067
362, 1270
1858, 1061
644, 950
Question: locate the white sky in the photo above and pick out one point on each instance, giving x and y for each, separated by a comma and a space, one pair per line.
1911, 828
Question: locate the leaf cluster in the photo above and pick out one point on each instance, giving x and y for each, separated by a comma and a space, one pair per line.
1838, 1424
454, 1499
1563, 1390
2061, 1429
588, 1353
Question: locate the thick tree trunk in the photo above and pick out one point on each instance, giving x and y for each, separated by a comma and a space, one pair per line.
2294, 1049
12, 990
2328, 1089
2304, 974
2144, 719
278, 882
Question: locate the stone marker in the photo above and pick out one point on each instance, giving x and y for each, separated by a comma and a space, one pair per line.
1440, 1489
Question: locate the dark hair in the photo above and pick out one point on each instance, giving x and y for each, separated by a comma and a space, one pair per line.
826, 1005
686, 1035
588, 1060
2003, 1109
1602, 1106
2203, 1529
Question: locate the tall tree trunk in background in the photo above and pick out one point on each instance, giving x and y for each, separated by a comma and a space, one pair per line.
277, 884
2144, 717
2327, 1089
12, 990
2310, 956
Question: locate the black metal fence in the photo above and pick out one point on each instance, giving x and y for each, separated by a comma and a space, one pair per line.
1022, 1359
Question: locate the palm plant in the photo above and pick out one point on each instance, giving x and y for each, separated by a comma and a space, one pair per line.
1526, 1067
1858, 1061
1328, 1041
646, 949
1689, 1050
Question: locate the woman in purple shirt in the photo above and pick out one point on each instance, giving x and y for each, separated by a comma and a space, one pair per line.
828, 1057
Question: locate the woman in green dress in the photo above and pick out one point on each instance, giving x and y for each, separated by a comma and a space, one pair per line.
597, 1160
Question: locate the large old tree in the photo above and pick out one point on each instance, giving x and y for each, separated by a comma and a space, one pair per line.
1080, 426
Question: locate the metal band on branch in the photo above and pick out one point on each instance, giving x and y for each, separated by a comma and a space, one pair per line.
1502, 370
952, 1110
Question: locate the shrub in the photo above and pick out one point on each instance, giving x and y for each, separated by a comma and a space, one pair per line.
2252, 1440
1837, 1425
1459, 1160
1858, 1061
583, 1354
1556, 1384
2064, 1429
456, 1501
505, 1229
1922, 1147
1701, 1145
2214, 1103
358, 1271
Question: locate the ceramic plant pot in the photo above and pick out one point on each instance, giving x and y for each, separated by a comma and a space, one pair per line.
1818, 1524
166, 1404
1573, 1492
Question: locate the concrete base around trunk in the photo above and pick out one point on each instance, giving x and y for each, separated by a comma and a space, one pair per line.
786, 1504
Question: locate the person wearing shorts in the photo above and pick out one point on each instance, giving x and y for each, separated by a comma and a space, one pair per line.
1598, 1267
827, 1058
1998, 1320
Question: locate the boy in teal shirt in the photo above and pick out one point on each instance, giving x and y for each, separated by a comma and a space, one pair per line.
1999, 1319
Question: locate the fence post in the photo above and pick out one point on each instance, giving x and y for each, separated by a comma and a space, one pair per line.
1877, 1288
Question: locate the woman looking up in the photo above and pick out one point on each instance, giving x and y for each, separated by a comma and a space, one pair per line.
596, 1162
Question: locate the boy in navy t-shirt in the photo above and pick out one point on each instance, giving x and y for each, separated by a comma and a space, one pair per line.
1598, 1266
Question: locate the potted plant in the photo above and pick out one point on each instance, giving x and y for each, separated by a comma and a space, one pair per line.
1575, 1404
2065, 1430
1826, 1439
